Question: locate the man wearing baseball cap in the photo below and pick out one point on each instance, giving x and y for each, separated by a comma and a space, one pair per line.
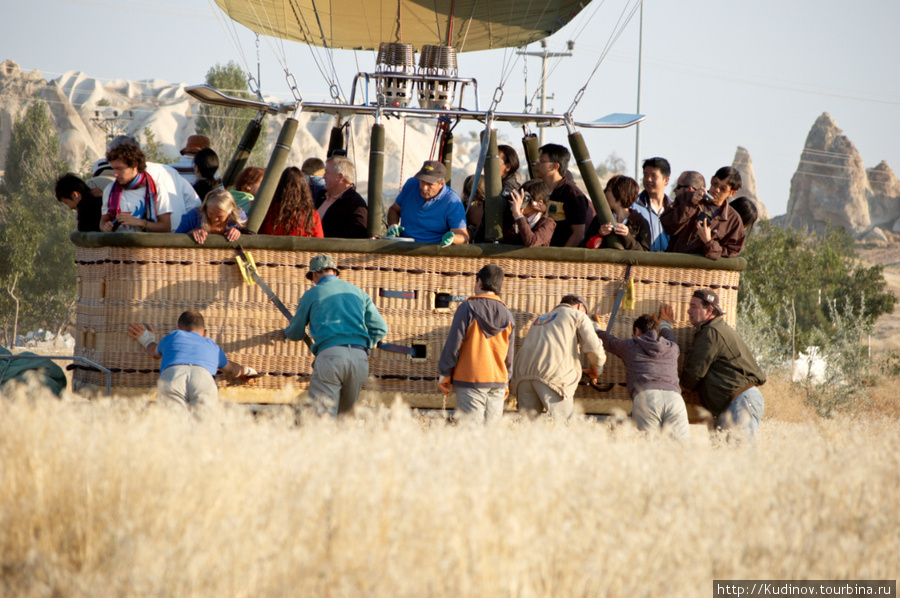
427, 210
721, 368
548, 364
344, 326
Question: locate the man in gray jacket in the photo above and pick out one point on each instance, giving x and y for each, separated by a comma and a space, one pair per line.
651, 373
548, 364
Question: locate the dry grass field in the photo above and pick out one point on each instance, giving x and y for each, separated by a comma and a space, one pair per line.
122, 498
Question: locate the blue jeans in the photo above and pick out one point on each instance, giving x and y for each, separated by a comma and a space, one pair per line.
744, 412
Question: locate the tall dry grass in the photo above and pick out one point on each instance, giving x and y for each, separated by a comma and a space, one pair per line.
123, 499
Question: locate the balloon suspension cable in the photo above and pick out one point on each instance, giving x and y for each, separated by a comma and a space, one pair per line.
482, 155
257, 83
292, 85
440, 138
570, 123
526, 130
621, 24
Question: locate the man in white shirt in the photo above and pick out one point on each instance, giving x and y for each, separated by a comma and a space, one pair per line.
145, 196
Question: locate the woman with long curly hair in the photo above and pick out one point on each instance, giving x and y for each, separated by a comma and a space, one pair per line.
292, 212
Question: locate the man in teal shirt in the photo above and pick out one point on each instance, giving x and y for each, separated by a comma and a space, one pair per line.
344, 326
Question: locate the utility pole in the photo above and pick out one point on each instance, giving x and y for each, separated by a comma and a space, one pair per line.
112, 122
637, 133
544, 54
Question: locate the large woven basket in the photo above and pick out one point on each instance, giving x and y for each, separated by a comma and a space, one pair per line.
415, 287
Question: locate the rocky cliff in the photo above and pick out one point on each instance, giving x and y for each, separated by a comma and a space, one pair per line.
831, 184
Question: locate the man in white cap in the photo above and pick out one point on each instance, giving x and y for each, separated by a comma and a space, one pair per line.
548, 364
345, 326
429, 210
721, 368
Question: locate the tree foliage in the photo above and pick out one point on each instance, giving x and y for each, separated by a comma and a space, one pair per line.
152, 148
38, 267
225, 126
614, 164
790, 272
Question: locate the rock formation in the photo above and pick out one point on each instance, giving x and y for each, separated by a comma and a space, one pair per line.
884, 198
744, 164
830, 184
75, 99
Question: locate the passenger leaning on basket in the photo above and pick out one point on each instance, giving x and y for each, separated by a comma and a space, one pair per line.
189, 361
345, 326
145, 196
568, 206
427, 210
548, 367
478, 356
530, 226
217, 215
704, 223
631, 226
343, 211
292, 212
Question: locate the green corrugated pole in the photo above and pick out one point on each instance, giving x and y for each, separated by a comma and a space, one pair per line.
336, 140
376, 180
447, 154
493, 186
592, 184
279, 157
532, 152
242, 153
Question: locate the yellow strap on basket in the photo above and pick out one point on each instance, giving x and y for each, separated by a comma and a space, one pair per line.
628, 300
246, 268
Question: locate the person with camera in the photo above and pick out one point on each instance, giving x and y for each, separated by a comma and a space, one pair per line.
702, 222
530, 226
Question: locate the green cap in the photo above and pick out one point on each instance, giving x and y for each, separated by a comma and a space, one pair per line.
319, 263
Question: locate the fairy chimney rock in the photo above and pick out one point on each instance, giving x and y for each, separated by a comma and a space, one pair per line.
884, 201
830, 184
743, 163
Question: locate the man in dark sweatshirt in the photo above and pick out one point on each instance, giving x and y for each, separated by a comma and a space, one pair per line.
478, 355
651, 373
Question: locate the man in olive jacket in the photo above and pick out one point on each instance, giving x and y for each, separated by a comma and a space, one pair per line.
721, 367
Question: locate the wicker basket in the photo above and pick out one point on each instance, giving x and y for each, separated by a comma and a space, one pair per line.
416, 292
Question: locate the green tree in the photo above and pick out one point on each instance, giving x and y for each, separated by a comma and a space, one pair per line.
225, 126
819, 278
38, 271
614, 164
152, 147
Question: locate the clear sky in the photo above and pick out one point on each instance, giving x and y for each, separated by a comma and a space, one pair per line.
716, 74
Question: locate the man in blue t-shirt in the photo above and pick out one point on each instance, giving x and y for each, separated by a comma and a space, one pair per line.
189, 361
429, 210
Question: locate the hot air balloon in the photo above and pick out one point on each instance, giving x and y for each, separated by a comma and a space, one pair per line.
126, 277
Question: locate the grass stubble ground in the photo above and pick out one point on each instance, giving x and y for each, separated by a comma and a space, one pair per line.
122, 498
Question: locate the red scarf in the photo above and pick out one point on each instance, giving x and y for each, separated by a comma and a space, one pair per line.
141, 180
